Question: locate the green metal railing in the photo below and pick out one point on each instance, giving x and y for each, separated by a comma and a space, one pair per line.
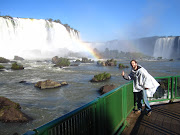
107, 114
169, 89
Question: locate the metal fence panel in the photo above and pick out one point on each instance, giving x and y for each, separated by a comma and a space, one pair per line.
106, 114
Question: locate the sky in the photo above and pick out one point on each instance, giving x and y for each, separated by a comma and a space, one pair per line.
103, 20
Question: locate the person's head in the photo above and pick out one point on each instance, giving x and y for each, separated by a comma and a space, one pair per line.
134, 64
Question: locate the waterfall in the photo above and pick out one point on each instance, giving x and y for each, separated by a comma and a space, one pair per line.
166, 47
35, 38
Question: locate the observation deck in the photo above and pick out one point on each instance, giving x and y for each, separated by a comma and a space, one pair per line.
112, 114
165, 119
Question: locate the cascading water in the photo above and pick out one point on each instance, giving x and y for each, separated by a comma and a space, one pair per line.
32, 38
167, 47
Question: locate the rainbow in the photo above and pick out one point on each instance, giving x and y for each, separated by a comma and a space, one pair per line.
89, 49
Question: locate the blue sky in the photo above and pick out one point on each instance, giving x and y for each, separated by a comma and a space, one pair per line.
103, 20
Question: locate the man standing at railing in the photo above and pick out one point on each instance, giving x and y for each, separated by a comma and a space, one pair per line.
144, 85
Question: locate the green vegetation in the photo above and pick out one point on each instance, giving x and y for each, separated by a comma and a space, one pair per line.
1, 67
68, 28
86, 60
63, 62
123, 66
110, 62
7, 17
58, 21
106, 54
49, 19
15, 66
101, 77
159, 58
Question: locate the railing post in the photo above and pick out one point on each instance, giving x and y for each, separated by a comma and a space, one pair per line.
172, 88
175, 87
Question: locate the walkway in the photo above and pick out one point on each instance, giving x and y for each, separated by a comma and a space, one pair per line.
165, 119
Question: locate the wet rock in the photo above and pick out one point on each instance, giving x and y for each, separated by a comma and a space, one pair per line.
55, 60
1, 67
110, 62
106, 88
10, 111
60, 62
64, 83
101, 77
18, 58
86, 60
48, 84
16, 66
4, 60
123, 66
22, 82
74, 64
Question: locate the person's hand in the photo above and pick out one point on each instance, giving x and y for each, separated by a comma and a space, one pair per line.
122, 73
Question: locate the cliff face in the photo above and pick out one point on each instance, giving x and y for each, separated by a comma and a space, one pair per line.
146, 45
165, 47
37, 38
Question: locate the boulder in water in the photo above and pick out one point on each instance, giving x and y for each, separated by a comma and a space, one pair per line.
48, 84
86, 60
110, 62
10, 111
60, 62
106, 88
16, 66
4, 60
18, 58
101, 77
64, 83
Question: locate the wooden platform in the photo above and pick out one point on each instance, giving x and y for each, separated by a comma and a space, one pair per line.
164, 120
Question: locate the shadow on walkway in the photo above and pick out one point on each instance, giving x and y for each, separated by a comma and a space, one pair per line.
165, 119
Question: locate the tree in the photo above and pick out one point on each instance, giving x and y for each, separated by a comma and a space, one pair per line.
50, 19
57, 21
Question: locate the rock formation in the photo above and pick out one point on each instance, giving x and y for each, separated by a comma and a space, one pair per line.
49, 84
18, 58
106, 88
10, 111
101, 77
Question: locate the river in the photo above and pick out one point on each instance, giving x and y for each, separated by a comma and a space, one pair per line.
46, 105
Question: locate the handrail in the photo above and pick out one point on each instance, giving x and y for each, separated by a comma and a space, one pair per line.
107, 114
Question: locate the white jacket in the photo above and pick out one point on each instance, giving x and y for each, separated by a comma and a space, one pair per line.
141, 80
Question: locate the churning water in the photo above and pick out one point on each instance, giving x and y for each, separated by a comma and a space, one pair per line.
46, 105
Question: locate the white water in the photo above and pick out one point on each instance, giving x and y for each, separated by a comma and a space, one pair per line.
32, 38
164, 47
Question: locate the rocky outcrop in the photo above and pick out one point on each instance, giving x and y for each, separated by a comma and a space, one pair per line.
55, 59
18, 58
101, 77
106, 88
10, 111
4, 60
123, 66
49, 84
111, 62
86, 60
60, 62
16, 66
64, 83
2, 67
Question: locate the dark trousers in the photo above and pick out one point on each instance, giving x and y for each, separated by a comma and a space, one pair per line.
138, 96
